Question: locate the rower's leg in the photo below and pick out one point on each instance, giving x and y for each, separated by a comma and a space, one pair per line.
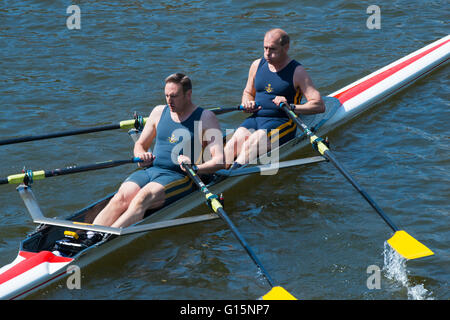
250, 148
118, 204
234, 146
151, 196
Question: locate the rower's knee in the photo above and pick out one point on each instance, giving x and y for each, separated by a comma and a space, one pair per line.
256, 140
120, 201
124, 196
139, 200
148, 197
234, 146
255, 145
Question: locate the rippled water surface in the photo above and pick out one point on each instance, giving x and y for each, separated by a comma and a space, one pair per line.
314, 233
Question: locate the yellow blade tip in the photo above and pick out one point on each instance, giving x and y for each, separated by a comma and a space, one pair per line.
278, 293
408, 247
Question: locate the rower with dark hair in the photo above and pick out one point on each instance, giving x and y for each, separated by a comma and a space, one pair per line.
177, 129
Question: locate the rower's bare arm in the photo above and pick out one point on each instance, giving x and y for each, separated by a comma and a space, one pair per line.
145, 140
314, 103
213, 151
248, 96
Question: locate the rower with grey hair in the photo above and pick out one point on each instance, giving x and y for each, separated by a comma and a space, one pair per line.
273, 79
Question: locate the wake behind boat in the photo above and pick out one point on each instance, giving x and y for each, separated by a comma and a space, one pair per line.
35, 266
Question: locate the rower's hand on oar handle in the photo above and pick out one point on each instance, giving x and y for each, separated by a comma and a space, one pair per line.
250, 106
147, 159
184, 160
279, 100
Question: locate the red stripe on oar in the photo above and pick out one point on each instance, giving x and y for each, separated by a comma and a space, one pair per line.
363, 86
32, 259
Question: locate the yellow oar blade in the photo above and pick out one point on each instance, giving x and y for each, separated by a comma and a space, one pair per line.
278, 293
407, 246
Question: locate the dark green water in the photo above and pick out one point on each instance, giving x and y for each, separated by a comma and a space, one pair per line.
314, 233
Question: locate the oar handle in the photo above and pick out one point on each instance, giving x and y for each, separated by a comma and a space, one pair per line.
290, 112
222, 110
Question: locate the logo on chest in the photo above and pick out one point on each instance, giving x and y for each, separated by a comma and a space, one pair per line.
269, 88
173, 139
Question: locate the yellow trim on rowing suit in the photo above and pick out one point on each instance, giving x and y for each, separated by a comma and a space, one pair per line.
176, 183
276, 136
273, 139
18, 178
281, 127
298, 96
181, 190
278, 293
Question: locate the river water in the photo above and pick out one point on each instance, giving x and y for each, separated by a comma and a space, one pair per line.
315, 235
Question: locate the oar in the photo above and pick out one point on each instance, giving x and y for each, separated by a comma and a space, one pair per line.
29, 175
401, 241
222, 110
126, 124
277, 292
139, 122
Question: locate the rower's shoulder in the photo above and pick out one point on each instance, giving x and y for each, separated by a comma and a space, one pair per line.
156, 113
208, 114
300, 73
300, 68
157, 110
255, 63
209, 119
254, 67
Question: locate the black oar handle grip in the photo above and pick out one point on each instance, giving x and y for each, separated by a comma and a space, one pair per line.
289, 106
188, 166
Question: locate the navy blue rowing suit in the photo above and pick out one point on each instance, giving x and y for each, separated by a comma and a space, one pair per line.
172, 139
268, 85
